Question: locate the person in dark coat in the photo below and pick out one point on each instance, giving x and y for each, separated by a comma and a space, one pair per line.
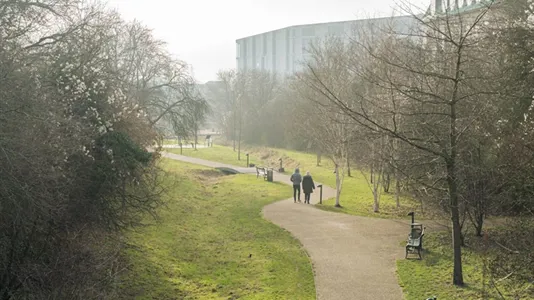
307, 187
296, 178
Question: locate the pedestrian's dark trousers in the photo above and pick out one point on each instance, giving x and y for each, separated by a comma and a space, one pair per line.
296, 188
307, 197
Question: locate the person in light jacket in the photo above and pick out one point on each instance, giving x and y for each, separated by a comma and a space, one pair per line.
296, 178
307, 187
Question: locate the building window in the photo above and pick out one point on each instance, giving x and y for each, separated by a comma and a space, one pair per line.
336, 30
264, 42
438, 8
308, 31
273, 58
252, 52
288, 49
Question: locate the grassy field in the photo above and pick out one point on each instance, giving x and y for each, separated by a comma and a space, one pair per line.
419, 279
432, 276
356, 197
211, 242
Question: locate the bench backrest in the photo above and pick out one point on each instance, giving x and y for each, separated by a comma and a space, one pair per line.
416, 233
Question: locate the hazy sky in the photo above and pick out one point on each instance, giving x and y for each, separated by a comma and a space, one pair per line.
203, 32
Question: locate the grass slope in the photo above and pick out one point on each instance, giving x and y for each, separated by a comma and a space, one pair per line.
211, 242
356, 196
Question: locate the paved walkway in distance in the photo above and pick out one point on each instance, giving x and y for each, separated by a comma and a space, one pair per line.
353, 257
207, 163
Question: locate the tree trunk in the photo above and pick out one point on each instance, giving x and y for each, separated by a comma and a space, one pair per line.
239, 144
376, 189
387, 181
240, 129
479, 224
234, 131
338, 186
376, 203
196, 137
348, 167
397, 189
457, 277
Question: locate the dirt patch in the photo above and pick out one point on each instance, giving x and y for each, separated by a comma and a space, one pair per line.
208, 176
271, 158
209, 173
267, 154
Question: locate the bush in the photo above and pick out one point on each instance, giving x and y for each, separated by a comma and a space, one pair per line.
74, 169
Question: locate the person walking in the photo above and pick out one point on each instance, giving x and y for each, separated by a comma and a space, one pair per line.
296, 178
307, 187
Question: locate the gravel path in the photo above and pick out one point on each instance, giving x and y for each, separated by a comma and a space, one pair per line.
353, 257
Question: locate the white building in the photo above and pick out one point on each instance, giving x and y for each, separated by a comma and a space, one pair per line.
455, 6
282, 51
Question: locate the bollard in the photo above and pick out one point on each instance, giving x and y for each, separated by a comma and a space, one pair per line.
270, 175
320, 186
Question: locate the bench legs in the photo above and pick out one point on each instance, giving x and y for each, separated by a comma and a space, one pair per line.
412, 249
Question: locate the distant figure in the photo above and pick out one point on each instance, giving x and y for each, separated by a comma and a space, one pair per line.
307, 187
296, 178
208, 140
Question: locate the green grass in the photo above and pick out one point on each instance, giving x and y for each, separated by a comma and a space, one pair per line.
356, 196
432, 276
170, 142
199, 247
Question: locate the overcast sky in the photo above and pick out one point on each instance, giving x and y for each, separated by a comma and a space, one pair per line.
203, 32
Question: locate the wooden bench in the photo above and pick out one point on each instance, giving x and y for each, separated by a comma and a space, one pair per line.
261, 171
415, 242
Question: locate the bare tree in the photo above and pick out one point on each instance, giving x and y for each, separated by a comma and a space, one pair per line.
426, 78
227, 105
247, 108
163, 86
330, 129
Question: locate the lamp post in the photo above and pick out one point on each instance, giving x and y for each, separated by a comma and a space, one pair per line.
413, 217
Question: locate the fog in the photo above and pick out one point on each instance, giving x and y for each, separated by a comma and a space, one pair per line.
203, 33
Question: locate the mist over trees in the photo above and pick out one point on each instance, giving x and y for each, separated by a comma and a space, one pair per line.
444, 112
82, 95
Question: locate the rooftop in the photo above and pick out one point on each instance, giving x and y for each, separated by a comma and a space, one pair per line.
329, 23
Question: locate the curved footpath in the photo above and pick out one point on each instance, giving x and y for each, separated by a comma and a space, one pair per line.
353, 257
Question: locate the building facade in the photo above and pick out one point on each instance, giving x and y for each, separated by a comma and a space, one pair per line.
284, 51
455, 6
